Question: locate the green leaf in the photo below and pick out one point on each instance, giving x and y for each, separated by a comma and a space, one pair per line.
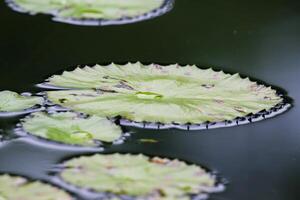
146, 140
164, 94
18, 188
138, 175
69, 128
13, 102
92, 9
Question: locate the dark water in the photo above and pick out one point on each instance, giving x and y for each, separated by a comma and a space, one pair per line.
259, 39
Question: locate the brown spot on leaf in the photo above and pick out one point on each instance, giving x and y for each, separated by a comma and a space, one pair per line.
158, 67
161, 161
20, 181
253, 87
88, 95
239, 109
208, 86
219, 101
122, 84
62, 100
216, 76
109, 77
267, 98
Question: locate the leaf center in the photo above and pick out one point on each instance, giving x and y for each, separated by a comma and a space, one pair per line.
148, 95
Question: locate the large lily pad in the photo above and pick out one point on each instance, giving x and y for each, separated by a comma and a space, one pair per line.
13, 102
91, 9
69, 128
138, 175
18, 188
164, 94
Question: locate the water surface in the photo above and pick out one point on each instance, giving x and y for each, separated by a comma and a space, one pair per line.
258, 39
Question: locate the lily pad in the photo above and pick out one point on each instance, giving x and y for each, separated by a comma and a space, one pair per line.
18, 188
138, 176
89, 10
166, 94
13, 102
69, 128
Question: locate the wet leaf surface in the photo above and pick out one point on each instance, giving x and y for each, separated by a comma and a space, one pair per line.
166, 94
18, 188
138, 175
70, 128
13, 102
81, 10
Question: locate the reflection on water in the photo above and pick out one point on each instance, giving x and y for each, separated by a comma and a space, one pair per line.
33, 158
27, 111
279, 109
41, 160
37, 159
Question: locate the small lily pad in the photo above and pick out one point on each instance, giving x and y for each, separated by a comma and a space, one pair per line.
69, 128
13, 102
138, 176
145, 140
166, 94
68, 10
18, 188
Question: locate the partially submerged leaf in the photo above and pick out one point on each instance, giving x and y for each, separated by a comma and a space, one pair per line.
91, 9
13, 102
17, 188
163, 94
69, 128
138, 175
145, 140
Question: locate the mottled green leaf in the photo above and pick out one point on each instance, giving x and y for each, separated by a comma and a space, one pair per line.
137, 175
17, 188
90, 9
164, 94
13, 102
68, 127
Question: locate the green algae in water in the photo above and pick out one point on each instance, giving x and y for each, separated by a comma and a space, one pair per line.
165, 94
69, 128
90, 9
146, 140
138, 175
18, 188
13, 102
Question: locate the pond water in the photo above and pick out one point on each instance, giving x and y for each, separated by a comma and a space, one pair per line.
257, 39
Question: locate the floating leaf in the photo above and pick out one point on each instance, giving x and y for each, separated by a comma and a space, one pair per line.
13, 102
138, 175
18, 188
91, 9
163, 94
68, 127
145, 140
